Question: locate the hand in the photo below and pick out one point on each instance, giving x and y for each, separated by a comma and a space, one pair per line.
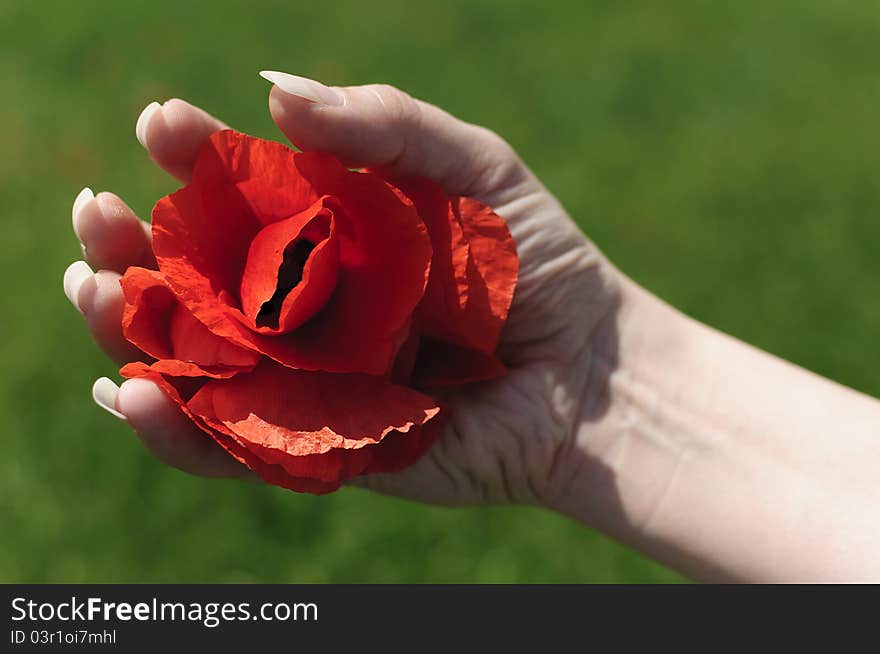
506, 437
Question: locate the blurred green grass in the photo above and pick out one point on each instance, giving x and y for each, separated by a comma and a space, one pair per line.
723, 154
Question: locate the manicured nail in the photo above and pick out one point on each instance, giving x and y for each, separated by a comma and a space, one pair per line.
140, 128
104, 392
76, 273
303, 87
85, 196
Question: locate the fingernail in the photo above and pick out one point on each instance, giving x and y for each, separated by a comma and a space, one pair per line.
76, 273
104, 392
85, 196
303, 87
140, 128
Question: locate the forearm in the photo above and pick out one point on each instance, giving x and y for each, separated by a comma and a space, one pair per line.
721, 460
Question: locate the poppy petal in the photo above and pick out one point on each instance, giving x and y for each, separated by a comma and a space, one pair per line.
201, 405
492, 271
400, 450
258, 176
155, 322
292, 456
146, 317
192, 342
296, 413
178, 368
198, 264
473, 272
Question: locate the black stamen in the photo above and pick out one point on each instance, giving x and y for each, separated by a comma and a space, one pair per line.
289, 275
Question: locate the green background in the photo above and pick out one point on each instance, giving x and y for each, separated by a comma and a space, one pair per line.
725, 155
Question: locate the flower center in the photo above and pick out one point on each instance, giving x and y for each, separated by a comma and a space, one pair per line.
290, 274
291, 271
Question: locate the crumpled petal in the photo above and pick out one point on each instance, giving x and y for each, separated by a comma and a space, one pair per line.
314, 425
192, 342
474, 268
178, 368
158, 324
298, 412
493, 268
200, 407
146, 317
400, 450
256, 176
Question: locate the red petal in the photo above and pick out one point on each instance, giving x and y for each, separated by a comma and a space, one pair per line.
265, 259
296, 413
400, 450
192, 342
199, 259
311, 473
147, 315
177, 368
473, 272
272, 473
155, 322
259, 176
314, 425
202, 409
493, 268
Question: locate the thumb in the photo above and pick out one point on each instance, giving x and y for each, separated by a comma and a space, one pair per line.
381, 127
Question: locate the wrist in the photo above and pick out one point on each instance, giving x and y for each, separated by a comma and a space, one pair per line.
718, 459
636, 432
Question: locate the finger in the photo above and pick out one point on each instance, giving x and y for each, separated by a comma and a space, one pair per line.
382, 127
112, 236
164, 430
98, 297
173, 133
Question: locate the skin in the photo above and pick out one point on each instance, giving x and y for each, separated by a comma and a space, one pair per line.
717, 459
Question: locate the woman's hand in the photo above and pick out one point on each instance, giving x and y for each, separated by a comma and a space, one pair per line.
504, 439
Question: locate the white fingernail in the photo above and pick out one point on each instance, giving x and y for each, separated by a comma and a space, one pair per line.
303, 87
85, 196
74, 276
104, 392
140, 128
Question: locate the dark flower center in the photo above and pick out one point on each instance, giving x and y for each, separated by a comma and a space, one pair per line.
290, 274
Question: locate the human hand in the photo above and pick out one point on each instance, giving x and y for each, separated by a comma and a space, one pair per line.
505, 439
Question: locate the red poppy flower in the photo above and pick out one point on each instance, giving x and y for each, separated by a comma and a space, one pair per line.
302, 312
